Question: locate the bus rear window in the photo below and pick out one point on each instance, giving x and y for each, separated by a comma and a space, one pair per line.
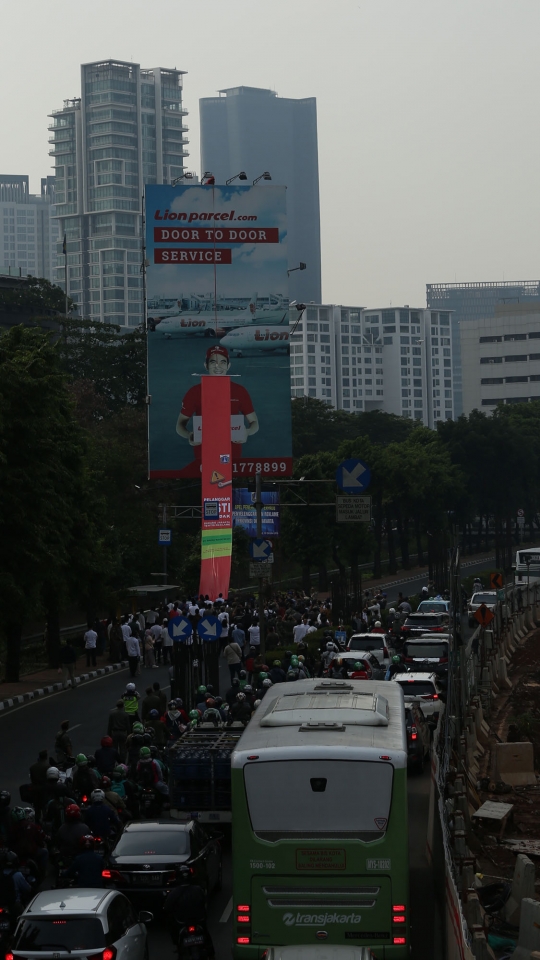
319, 798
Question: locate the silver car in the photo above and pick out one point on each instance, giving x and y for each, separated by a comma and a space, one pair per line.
81, 922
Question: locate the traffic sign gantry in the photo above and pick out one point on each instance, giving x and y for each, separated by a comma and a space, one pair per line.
484, 615
353, 476
496, 581
209, 628
180, 629
260, 549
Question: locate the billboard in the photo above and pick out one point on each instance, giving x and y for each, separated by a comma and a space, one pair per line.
217, 305
245, 514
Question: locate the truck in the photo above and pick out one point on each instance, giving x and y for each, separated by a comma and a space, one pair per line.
200, 773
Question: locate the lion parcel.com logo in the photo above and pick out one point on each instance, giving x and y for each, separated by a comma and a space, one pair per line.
319, 919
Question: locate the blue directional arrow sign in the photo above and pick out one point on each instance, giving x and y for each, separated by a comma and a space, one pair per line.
353, 476
209, 628
179, 629
260, 549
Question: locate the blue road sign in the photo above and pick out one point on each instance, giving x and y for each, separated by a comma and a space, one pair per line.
260, 549
180, 629
165, 537
209, 628
353, 476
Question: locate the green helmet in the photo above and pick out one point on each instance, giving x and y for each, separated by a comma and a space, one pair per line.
18, 814
396, 659
358, 665
294, 661
194, 714
201, 689
277, 663
263, 675
138, 728
145, 753
81, 759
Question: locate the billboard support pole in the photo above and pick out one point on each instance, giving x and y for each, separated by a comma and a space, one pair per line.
164, 520
262, 621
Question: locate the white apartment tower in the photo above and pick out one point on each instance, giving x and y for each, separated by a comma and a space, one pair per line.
126, 129
29, 235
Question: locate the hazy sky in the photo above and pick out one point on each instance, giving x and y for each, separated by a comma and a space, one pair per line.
428, 117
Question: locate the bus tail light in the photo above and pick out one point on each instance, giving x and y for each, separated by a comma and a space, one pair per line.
399, 908
414, 733
242, 918
399, 941
398, 918
243, 908
243, 940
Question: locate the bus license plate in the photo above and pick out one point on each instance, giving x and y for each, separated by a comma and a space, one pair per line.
191, 941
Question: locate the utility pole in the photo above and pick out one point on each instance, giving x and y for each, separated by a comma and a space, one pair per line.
262, 620
164, 520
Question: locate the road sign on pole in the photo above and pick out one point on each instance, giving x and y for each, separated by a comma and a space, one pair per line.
165, 537
180, 629
260, 550
353, 476
353, 509
496, 581
209, 628
484, 615
260, 569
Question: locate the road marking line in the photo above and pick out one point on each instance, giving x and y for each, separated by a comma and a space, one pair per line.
74, 727
227, 912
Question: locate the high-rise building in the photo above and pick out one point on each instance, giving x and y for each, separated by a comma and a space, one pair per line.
253, 130
28, 240
396, 360
126, 129
475, 301
501, 357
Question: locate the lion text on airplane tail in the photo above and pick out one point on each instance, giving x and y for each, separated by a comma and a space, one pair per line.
255, 339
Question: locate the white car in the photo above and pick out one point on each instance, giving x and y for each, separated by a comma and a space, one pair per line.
81, 922
370, 643
489, 597
423, 688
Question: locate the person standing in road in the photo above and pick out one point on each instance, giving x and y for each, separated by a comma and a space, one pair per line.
118, 728
90, 643
38, 779
233, 655
63, 746
166, 643
68, 659
133, 652
255, 634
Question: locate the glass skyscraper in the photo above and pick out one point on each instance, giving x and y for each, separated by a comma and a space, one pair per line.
126, 129
475, 301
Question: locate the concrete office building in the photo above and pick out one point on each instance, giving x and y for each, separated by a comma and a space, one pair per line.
396, 360
253, 130
501, 357
28, 240
475, 301
126, 129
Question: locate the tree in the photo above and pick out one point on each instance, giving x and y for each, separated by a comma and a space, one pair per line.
35, 295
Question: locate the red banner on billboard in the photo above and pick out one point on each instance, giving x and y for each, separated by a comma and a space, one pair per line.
216, 482
216, 235
192, 256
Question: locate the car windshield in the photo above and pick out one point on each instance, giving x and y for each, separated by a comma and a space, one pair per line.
363, 643
432, 606
484, 598
417, 688
60, 933
423, 620
427, 651
148, 843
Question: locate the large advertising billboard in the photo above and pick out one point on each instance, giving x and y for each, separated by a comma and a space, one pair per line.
217, 305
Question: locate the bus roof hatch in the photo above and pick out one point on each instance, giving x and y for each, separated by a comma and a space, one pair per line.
351, 709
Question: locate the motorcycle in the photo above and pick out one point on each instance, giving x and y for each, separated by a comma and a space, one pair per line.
149, 804
194, 942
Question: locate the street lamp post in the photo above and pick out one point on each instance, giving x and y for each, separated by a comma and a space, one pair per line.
263, 176
238, 176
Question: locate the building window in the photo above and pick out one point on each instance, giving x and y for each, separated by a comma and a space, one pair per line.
491, 403
490, 340
516, 358
404, 339
534, 356
516, 379
490, 359
388, 341
515, 336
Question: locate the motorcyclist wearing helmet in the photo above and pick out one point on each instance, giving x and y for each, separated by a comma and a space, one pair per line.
112, 799
87, 867
68, 836
263, 688
241, 710
194, 718
85, 779
28, 839
277, 673
131, 698
330, 653
200, 699
234, 688
186, 904
303, 666
358, 671
211, 714
99, 817
15, 889
337, 669
55, 811
133, 745
159, 731
242, 678
106, 757
150, 774
396, 665
174, 721
377, 627
5, 811
63, 746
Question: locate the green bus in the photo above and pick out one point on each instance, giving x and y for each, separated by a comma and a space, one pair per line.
319, 830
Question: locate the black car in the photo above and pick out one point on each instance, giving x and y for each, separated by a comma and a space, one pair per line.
146, 859
418, 736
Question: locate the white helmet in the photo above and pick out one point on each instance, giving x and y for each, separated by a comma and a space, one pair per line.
392, 610
53, 773
267, 682
256, 704
130, 688
377, 623
330, 645
97, 796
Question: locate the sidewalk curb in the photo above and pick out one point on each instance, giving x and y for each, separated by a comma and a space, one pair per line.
56, 687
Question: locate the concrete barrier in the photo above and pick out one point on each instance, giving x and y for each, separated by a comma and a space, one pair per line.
522, 888
529, 930
513, 763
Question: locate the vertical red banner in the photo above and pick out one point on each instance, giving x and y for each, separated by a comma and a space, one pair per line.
216, 479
